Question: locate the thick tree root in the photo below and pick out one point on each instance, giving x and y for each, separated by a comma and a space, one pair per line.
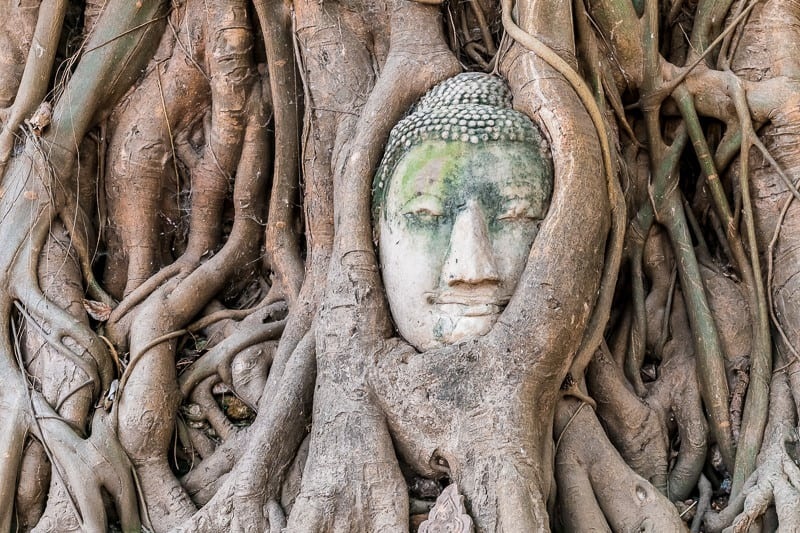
775, 482
146, 423
589, 469
141, 162
65, 385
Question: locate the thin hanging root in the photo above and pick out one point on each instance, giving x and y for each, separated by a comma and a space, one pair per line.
770, 273
589, 47
756, 408
638, 333
486, 34
74, 217
731, 41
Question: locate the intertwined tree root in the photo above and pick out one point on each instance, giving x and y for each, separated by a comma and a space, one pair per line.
181, 142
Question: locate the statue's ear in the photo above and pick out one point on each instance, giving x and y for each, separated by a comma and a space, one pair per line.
376, 230
377, 213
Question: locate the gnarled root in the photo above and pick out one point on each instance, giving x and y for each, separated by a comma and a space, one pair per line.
149, 388
777, 478
589, 469
60, 380
141, 154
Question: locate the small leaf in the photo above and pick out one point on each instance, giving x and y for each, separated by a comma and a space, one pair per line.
97, 310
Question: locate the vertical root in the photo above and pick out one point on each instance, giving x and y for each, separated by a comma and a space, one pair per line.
281, 241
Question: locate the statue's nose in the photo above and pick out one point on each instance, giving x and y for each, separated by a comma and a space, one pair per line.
470, 258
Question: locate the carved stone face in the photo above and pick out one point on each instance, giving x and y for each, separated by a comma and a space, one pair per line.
456, 229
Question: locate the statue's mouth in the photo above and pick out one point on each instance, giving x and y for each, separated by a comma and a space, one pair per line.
468, 303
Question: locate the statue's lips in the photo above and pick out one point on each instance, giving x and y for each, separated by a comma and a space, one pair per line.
468, 304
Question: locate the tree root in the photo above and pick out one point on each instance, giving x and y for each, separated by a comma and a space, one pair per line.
16, 36
141, 150
589, 469
777, 477
273, 439
146, 426
282, 243
776, 480
218, 359
33, 85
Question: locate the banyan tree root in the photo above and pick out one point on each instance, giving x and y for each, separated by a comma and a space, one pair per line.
84, 468
146, 148
361, 65
597, 490
638, 427
143, 152
146, 427
346, 420
776, 481
61, 382
19, 23
639, 424
416, 45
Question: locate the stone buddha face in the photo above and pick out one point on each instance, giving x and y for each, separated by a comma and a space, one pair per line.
455, 232
463, 186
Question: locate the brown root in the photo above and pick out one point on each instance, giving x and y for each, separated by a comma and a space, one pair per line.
588, 469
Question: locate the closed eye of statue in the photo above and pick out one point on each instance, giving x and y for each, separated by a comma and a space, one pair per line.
424, 208
518, 209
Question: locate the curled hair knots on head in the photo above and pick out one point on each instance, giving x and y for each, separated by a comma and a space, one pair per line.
471, 107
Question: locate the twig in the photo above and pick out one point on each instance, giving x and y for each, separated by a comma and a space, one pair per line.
667, 89
124, 33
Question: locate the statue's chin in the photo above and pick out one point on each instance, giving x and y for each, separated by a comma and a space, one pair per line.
466, 327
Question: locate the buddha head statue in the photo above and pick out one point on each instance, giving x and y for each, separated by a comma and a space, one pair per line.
458, 198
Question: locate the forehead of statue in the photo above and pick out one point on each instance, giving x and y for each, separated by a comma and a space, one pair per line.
436, 168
